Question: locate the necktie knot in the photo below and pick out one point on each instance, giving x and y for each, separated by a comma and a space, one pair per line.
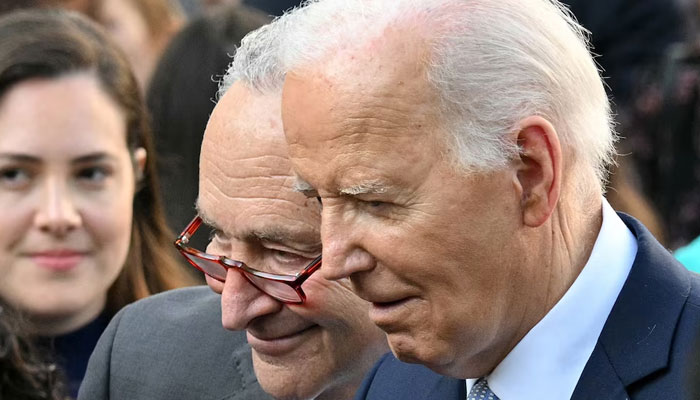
481, 391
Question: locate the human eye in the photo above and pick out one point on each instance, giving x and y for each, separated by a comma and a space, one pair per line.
286, 257
15, 177
93, 176
286, 261
374, 205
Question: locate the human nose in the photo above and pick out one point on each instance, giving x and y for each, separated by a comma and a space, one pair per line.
343, 253
57, 213
241, 302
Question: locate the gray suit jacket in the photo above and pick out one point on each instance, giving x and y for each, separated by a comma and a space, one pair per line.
171, 346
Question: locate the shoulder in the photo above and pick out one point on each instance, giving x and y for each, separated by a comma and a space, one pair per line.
394, 379
172, 346
649, 338
178, 306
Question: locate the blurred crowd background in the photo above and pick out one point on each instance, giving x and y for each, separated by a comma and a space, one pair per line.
649, 51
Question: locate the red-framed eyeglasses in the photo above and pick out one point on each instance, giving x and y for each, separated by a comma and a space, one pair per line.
285, 288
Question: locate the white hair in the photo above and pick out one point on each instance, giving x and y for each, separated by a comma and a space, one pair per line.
493, 63
256, 62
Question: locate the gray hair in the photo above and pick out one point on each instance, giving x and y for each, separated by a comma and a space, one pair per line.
493, 63
256, 62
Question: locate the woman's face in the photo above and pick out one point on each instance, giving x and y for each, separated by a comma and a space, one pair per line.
66, 191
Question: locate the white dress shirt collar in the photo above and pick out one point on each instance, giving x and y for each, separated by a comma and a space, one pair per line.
548, 361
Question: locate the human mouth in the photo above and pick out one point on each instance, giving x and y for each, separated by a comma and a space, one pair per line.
390, 313
281, 344
58, 260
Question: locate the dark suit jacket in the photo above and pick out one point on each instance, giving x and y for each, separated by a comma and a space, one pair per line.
171, 347
645, 351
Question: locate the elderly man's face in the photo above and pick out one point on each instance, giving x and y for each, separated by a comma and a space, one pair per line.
299, 351
434, 249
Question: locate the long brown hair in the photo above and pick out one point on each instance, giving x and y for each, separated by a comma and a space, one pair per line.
51, 43
26, 373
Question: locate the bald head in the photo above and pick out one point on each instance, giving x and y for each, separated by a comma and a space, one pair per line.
247, 194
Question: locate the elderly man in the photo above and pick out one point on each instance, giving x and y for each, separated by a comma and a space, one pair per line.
459, 148
310, 342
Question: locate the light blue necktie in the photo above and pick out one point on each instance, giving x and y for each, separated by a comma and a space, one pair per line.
481, 391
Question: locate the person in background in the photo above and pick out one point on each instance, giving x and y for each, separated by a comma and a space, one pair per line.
310, 338
142, 28
25, 373
182, 96
85, 233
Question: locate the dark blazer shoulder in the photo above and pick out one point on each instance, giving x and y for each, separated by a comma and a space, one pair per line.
646, 348
172, 346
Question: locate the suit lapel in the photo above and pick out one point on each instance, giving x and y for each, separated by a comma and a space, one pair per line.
599, 379
636, 339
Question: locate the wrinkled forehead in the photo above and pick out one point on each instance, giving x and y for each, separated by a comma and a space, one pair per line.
244, 162
361, 113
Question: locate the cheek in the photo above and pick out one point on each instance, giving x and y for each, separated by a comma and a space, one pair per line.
16, 223
108, 220
335, 307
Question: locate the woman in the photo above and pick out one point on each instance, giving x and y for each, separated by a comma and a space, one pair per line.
83, 227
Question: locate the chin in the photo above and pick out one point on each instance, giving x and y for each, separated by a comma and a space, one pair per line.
282, 380
428, 353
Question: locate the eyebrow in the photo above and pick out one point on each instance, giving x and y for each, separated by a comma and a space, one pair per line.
93, 157
301, 240
368, 187
304, 187
269, 235
204, 217
26, 158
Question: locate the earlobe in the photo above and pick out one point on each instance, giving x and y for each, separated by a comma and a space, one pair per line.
140, 157
539, 170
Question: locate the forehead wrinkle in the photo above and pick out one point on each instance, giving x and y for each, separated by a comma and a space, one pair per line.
385, 116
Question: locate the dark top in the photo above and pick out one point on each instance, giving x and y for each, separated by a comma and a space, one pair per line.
72, 351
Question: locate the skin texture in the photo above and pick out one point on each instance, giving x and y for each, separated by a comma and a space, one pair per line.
458, 266
66, 183
320, 349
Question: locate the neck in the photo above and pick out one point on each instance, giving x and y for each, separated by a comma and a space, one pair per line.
345, 391
563, 245
56, 325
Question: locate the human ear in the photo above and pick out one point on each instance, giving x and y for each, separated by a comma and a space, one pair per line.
140, 156
539, 169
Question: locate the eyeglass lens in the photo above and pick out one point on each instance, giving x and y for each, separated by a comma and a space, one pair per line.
278, 290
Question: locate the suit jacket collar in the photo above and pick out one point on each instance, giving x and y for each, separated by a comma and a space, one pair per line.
637, 337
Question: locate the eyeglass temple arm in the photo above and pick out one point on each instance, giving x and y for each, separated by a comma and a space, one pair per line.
310, 269
190, 229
